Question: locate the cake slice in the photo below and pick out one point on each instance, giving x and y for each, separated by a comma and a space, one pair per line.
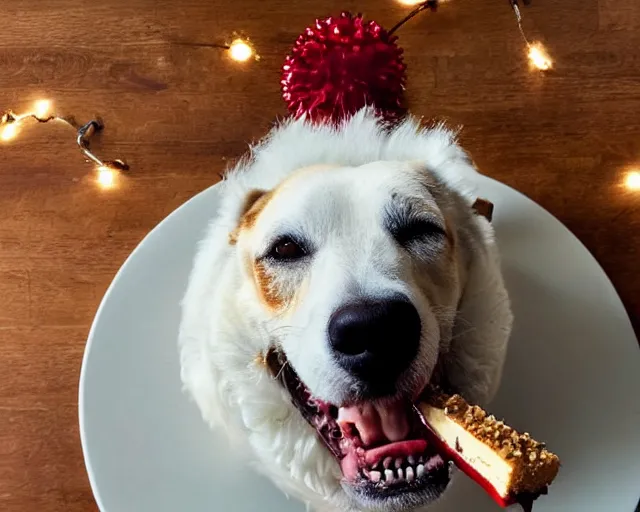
510, 466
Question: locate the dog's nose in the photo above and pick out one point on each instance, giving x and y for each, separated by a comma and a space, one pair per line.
375, 340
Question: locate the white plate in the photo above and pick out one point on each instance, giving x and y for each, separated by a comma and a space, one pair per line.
572, 377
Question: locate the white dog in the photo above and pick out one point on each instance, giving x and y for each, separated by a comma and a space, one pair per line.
354, 256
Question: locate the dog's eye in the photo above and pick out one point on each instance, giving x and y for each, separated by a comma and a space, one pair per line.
417, 230
286, 249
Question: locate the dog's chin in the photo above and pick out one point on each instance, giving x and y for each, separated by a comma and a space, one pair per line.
400, 496
380, 445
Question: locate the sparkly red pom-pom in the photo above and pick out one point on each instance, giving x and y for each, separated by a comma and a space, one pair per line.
341, 64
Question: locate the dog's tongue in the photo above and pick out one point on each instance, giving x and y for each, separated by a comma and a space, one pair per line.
377, 423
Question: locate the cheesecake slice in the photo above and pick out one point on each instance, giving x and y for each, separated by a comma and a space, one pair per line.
512, 467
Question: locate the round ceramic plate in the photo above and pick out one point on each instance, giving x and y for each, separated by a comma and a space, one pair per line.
572, 377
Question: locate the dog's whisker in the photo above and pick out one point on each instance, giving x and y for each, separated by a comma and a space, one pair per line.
491, 314
280, 327
494, 310
284, 330
448, 314
459, 334
462, 320
277, 376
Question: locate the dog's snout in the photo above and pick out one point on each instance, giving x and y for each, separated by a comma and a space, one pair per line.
375, 340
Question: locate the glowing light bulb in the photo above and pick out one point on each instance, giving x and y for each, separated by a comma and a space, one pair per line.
240, 50
632, 181
106, 177
539, 58
9, 132
41, 109
410, 2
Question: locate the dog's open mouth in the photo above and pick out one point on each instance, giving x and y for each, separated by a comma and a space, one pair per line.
380, 446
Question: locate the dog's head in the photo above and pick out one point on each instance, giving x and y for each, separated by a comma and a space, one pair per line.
354, 278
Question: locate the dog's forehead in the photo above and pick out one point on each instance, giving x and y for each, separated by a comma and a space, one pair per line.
370, 185
340, 199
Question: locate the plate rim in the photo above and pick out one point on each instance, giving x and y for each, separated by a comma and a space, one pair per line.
91, 336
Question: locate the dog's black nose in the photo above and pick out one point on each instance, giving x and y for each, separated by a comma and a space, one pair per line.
375, 340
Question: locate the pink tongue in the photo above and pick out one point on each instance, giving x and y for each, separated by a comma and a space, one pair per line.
377, 423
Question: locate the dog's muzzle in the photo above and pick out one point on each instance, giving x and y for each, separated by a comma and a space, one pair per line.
375, 341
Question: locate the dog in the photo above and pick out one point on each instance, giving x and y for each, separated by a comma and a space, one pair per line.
352, 253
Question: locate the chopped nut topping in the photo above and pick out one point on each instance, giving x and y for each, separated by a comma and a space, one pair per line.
478, 413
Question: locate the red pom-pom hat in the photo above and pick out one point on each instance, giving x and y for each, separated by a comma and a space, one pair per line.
341, 64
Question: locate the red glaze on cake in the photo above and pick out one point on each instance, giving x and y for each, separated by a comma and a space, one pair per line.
511, 467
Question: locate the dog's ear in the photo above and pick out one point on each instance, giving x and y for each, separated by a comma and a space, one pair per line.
204, 306
484, 208
253, 203
475, 357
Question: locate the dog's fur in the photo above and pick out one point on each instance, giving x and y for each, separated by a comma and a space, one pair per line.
334, 184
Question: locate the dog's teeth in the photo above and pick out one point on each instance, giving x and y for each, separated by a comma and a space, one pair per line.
400, 474
398, 463
411, 460
388, 475
420, 470
410, 474
387, 462
375, 476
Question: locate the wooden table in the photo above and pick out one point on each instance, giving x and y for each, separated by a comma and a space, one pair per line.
180, 113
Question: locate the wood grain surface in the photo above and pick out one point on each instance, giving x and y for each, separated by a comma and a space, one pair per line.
180, 113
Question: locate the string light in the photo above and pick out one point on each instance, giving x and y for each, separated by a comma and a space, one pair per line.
9, 132
421, 6
106, 177
538, 55
539, 58
240, 50
107, 169
632, 181
41, 108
